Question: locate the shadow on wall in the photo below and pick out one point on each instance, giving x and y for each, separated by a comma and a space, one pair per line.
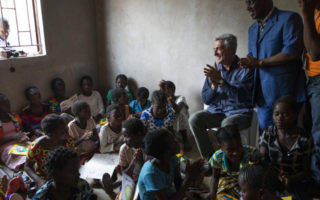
132, 87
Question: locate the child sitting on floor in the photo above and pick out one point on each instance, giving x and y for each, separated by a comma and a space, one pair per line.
92, 97
10, 134
59, 89
158, 115
141, 103
159, 174
33, 113
287, 147
227, 162
131, 156
62, 167
56, 131
110, 134
83, 130
121, 82
180, 106
258, 183
120, 97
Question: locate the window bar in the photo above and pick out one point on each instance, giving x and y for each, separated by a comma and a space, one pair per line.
14, 5
36, 23
29, 21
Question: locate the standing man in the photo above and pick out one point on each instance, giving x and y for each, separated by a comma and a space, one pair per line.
311, 15
227, 91
275, 49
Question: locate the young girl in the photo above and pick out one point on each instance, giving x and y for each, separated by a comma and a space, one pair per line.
180, 106
62, 167
158, 115
110, 133
120, 97
33, 113
10, 134
159, 174
59, 89
258, 183
227, 162
142, 103
56, 135
121, 82
131, 157
287, 147
92, 97
83, 130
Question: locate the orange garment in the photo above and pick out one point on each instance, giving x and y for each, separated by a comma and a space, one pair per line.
313, 68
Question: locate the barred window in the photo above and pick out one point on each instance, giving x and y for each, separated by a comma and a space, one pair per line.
21, 30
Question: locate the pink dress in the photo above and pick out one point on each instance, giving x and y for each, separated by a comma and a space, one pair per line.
11, 161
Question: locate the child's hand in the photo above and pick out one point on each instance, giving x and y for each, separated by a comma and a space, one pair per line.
208, 196
86, 136
22, 137
94, 136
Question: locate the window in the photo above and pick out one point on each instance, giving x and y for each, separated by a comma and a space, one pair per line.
24, 33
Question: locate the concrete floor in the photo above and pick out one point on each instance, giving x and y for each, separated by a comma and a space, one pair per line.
193, 154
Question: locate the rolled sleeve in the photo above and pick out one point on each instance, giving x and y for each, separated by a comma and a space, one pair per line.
293, 36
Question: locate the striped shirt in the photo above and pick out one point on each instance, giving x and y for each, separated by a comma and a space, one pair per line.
290, 161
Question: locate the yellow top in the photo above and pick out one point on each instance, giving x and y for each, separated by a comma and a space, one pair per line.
313, 68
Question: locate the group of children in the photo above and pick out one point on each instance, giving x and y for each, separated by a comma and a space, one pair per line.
148, 135
84, 126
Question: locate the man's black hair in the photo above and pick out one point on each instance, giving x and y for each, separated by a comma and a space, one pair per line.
143, 93
56, 83
51, 122
88, 78
159, 96
111, 108
77, 106
122, 77
58, 159
154, 143
31, 91
289, 101
116, 94
134, 126
228, 133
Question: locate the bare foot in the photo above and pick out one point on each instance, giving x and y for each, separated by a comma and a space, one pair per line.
107, 186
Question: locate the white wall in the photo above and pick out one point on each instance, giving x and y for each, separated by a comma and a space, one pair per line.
150, 40
70, 34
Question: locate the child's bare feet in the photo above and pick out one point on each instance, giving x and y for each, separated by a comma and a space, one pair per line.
107, 185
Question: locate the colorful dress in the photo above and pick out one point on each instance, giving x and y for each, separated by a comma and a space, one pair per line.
228, 182
37, 154
54, 106
8, 129
137, 108
30, 120
153, 123
82, 192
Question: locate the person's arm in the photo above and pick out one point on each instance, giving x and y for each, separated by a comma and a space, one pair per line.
192, 172
310, 35
29, 169
292, 46
241, 89
210, 94
20, 137
213, 185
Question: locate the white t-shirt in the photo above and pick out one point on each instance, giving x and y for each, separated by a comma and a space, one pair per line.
108, 138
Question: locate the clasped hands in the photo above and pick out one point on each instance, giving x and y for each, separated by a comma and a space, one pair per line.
213, 74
